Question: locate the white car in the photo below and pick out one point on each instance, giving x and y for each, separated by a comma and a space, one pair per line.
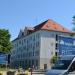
64, 66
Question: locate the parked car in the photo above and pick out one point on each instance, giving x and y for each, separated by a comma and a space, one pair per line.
64, 66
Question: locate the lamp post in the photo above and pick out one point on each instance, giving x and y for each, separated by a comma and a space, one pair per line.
6, 65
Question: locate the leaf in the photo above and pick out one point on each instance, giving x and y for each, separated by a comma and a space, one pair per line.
5, 44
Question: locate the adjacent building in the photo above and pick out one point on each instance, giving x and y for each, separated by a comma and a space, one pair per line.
35, 46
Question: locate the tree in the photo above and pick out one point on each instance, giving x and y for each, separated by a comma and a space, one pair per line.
5, 44
73, 22
54, 59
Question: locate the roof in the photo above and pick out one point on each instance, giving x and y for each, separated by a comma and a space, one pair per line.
51, 25
46, 25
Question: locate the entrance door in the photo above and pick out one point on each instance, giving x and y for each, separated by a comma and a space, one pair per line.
45, 66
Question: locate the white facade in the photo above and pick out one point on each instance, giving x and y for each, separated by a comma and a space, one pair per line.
26, 50
48, 46
35, 49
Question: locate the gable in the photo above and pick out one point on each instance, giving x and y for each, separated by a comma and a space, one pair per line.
51, 25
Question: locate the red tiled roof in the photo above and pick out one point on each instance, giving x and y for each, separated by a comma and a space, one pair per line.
47, 25
52, 26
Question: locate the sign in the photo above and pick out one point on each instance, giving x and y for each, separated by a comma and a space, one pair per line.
3, 59
66, 45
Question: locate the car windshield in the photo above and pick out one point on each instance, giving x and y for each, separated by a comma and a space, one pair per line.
62, 64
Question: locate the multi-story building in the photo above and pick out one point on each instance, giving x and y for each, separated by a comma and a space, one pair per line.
35, 46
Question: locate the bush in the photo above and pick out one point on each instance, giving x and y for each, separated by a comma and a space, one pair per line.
54, 59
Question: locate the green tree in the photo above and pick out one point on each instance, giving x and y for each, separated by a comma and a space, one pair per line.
5, 44
73, 22
54, 59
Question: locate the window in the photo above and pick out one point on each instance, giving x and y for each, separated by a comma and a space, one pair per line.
56, 37
37, 44
37, 36
29, 54
24, 48
56, 53
37, 53
33, 53
29, 62
17, 44
25, 61
32, 62
56, 46
19, 41
36, 62
24, 40
33, 48
34, 38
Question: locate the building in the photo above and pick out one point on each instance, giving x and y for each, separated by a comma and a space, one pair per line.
35, 46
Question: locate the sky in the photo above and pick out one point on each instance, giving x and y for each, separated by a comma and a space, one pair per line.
16, 14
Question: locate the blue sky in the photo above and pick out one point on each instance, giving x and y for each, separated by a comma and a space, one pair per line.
16, 14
